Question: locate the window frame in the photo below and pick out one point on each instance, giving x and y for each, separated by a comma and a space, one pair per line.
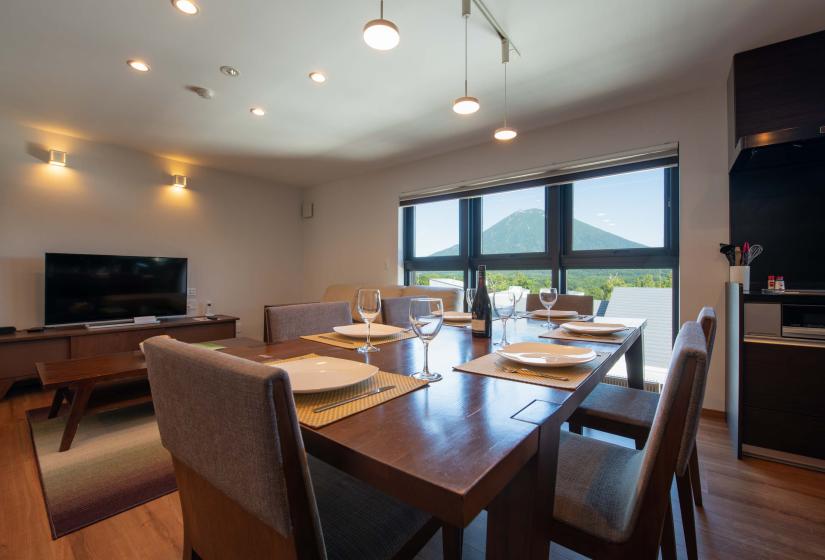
558, 255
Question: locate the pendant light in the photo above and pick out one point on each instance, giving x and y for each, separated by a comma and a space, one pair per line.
505, 133
466, 105
381, 34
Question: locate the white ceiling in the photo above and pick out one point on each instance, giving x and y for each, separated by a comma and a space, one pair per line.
63, 67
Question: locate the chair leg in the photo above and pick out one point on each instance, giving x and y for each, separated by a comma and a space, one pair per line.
668, 542
695, 481
452, 542
683, 484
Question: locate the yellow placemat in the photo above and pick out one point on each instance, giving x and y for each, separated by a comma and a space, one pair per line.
341, 341
562, 334
496, 366
305, 404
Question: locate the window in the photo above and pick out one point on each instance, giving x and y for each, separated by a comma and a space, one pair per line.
643, 293
513, 222
436, 229
454, 278
624, 211
610, 233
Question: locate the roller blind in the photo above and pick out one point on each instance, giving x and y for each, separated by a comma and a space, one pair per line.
666, 155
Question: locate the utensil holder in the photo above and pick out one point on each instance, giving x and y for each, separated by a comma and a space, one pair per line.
742, 275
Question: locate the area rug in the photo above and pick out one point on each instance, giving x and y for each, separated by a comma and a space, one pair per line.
116, 462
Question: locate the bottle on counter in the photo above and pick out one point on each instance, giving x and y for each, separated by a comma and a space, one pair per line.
771, 282
780, 284
482, 310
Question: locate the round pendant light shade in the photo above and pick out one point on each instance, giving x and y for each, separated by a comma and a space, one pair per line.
505, 134
466, 105
381, 34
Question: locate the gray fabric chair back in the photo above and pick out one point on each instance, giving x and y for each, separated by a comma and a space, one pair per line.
707, 321
658, 460
396, 311
583, 305
285, 322
234, 423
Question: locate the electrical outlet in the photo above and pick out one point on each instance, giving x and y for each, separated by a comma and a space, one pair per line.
192, 292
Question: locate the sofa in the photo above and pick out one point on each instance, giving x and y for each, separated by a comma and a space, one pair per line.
453, 298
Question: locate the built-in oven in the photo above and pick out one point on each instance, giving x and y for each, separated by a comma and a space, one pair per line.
776, 320
803, 321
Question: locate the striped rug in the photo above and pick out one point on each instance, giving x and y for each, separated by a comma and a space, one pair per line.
116, 462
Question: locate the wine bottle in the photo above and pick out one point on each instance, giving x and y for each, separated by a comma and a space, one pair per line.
482, 310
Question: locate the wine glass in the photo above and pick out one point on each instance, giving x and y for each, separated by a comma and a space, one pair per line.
518, 293
470, 296
426, 318
548, 297
505, 304
369, 306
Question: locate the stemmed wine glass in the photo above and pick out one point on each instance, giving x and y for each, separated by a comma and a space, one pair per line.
518, 293
548, 297
505, 304
426, 318
470, 296
369, 306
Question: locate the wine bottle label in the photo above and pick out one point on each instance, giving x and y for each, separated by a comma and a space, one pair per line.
477, 325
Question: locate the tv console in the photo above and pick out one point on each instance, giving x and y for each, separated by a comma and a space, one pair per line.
21, 350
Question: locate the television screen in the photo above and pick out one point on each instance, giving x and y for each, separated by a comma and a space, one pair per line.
92, 288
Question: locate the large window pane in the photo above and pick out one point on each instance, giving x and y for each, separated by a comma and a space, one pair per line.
531, 281
454, 278
513, 222
639, 293
436, 229
623, 211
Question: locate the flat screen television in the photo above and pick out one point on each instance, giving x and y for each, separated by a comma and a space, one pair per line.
97, 288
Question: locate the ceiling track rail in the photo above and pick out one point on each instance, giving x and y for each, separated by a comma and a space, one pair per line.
491, 19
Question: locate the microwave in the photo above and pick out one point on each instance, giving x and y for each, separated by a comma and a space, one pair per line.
786, 320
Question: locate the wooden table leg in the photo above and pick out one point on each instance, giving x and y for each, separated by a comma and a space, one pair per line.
78, 408
57, 401
635, 358
5, 385
452, 542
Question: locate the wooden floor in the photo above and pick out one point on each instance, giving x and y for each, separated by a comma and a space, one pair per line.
753, 509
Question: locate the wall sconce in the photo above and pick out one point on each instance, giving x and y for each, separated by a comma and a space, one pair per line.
180, 181
56, 157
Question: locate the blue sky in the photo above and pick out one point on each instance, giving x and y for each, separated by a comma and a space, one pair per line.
629, 205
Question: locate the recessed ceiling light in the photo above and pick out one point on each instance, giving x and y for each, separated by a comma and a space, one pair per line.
230, 71
257, 111
505, 134
317, 77
186, 6
137, 64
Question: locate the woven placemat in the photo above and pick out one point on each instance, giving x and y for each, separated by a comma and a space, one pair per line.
305, 404
562, 334
496, 366
341, 341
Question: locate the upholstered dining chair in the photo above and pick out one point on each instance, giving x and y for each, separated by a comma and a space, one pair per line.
630, 413
396, 311
247, 487
583, 305
283, 322
613, 501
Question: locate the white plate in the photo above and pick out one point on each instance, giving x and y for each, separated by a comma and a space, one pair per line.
458, 316
559, 313
593, 328
359, 330
546, 355
314, 375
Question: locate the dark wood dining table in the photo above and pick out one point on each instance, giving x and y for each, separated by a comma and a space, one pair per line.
466, 443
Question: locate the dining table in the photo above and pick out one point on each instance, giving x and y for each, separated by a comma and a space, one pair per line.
466, 443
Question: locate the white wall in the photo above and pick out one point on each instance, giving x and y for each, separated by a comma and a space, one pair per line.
240, 234
354, 234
